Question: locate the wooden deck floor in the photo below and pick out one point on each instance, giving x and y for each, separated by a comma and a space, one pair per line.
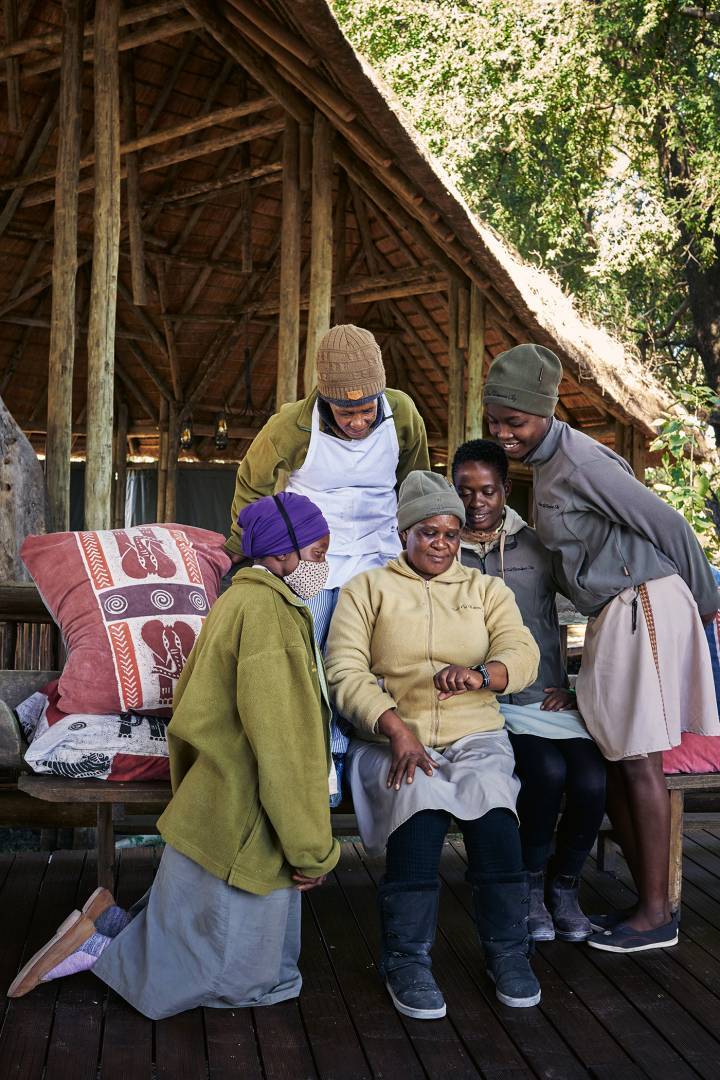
654, 1015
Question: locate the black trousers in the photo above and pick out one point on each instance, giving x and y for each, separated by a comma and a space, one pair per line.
549, 769
492, 843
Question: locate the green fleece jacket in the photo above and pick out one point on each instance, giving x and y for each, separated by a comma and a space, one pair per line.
282, 446
249, 743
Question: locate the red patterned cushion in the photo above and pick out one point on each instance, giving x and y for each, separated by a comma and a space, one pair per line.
129, 604
695, 754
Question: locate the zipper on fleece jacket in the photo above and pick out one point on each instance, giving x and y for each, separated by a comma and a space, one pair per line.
434, 703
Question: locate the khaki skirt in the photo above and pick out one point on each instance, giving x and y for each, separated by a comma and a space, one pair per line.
646, 672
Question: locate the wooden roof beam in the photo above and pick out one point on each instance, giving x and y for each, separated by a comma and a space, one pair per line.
12, 67
156, 32
53, 39
203, 190
161, 161
153, 138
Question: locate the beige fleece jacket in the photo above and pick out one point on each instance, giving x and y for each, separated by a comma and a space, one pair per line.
392, 631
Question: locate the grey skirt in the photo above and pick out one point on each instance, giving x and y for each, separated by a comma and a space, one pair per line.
472, 776
195, 940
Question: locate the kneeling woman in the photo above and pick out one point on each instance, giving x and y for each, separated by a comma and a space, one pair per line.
248, 826
417, 652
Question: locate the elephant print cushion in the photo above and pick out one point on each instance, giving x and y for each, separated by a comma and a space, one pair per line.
79, 746
129, 604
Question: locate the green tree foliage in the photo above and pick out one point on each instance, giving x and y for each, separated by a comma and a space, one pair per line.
588, 133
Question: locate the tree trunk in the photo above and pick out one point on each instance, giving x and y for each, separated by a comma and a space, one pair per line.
704, 296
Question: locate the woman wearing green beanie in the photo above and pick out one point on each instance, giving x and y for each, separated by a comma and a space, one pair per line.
634, 566
418, 651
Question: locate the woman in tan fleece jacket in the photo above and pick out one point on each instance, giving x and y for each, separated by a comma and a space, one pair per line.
418, 651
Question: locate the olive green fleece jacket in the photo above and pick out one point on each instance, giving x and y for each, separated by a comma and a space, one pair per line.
249, 743
392, 631
282, 446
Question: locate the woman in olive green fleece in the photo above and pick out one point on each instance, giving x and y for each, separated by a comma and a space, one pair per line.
418, 651
248, 826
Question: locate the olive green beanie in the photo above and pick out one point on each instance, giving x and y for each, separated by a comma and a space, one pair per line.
349, 366
525, 378
423, 494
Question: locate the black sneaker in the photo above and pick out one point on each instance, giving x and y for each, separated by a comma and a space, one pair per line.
626, 939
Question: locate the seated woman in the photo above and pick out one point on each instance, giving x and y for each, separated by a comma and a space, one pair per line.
417, 652
554, 753
248, 826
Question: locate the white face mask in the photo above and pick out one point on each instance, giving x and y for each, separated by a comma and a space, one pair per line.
308, 578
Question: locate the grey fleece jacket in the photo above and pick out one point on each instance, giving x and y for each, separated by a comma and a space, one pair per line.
518, 557
606, 529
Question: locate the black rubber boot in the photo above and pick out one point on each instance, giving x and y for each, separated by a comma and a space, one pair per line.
501, 914
571, 923
408, 919
540, 923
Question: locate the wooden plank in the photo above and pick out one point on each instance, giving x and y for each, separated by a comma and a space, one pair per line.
127, 1049
381, 1032
26, 1032
321, 246
106, 248
180, 1046
22, 601
54, 789
232, 1049
290, 265
326, 1017
475, 362
283, 1046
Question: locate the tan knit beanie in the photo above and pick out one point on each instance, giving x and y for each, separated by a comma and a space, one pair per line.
349, 366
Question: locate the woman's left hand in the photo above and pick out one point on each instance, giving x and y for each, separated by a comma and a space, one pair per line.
557, 699
305, 883
455, 679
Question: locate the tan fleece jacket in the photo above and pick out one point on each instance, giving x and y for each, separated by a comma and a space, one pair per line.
392, 631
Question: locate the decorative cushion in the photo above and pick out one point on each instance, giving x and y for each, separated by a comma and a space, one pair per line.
699, 753
129, 604
123, 746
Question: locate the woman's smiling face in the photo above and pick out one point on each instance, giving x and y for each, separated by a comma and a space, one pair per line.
517, 432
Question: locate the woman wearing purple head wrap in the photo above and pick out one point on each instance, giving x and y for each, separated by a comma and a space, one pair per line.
248, 826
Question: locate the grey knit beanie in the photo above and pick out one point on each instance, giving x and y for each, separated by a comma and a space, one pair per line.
349, 366
525, 378
423, 494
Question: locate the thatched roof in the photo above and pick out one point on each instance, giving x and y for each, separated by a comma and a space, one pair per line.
210, 166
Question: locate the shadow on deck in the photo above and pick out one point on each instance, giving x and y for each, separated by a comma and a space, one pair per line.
653, 1015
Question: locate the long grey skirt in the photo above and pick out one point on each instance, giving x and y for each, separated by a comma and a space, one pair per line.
195, 940
472, 776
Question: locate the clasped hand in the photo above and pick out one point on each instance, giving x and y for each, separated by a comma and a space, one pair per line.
456, 679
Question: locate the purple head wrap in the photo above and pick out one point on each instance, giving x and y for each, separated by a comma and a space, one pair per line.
265, 532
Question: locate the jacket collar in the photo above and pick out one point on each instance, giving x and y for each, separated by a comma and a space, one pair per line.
547, 445
456, 572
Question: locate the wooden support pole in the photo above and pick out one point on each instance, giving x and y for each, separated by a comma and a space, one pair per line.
12, 66
321, 245
621, 440
169, 331
106, 250
290, 260
340, 244
173, 448
135, 234
463, 316
456, 377
121, 433
62, 321
475, 358
162, 461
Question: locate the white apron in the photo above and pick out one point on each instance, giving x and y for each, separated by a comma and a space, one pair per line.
353, 483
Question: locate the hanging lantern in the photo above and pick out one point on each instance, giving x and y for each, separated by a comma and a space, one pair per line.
186, 435
221, 432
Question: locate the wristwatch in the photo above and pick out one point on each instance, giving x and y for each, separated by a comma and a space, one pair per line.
485, 674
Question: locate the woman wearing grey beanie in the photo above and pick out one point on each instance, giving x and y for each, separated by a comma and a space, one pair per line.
634, 566
418, 651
